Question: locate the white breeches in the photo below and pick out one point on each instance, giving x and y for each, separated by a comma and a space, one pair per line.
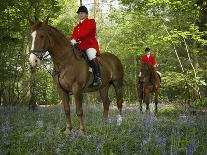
91, 53
140, 74
159, 73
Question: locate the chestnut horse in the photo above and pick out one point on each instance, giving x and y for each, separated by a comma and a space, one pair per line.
147, 84
71, 72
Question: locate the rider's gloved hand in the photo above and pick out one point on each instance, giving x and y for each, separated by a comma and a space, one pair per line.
73, 42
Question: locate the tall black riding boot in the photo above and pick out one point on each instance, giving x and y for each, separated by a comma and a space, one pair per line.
97, 72
141, 85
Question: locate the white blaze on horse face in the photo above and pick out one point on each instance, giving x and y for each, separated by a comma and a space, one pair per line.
34, 60
33, 39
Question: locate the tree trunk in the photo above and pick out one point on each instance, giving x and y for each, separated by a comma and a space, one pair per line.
201, 22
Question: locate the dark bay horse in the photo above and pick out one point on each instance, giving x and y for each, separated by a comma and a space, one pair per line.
147, 84
70, 73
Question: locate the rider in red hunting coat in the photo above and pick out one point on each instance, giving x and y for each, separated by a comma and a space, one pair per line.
84, 34
151, 59
148, 58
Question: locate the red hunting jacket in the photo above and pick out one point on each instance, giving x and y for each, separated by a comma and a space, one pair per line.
85, 33
151, 59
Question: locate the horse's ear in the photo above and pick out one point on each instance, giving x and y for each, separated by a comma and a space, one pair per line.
46, 21
30, 21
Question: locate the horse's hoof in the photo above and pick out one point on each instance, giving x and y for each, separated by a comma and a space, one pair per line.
67, 131
82, 132
105, 119
119, 120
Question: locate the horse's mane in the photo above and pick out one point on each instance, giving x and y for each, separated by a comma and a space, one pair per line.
54, 28
40, 25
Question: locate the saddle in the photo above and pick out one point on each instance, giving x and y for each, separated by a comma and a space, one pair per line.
85, 57
81, 54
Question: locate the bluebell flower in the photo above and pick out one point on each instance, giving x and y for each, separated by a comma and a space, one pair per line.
40, 123
73, 134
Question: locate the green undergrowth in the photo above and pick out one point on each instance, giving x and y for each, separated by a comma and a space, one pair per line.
169, 132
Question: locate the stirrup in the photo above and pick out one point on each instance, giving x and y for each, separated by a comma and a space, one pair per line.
97, 82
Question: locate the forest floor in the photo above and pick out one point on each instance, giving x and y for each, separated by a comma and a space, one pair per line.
171, 131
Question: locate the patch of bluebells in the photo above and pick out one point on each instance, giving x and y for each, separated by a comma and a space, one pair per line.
99, 145
5, 132
40, 123
191, 147
74, 134
40, 132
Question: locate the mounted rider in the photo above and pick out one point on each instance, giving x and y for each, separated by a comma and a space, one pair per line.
84, 35
147, 57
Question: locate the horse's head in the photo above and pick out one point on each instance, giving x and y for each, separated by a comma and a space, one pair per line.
146, 69
40, 41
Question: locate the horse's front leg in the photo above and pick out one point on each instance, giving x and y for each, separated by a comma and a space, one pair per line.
78, 101
147, 101
140, 104
65, 98
156, 102
140, 95
141, 99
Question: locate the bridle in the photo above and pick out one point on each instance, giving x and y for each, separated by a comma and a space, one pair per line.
40, 54
74, 48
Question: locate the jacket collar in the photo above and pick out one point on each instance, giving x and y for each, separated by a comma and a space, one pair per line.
83, 20
148, 56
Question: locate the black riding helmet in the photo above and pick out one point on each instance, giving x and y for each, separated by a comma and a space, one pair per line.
147, 49
82, 9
